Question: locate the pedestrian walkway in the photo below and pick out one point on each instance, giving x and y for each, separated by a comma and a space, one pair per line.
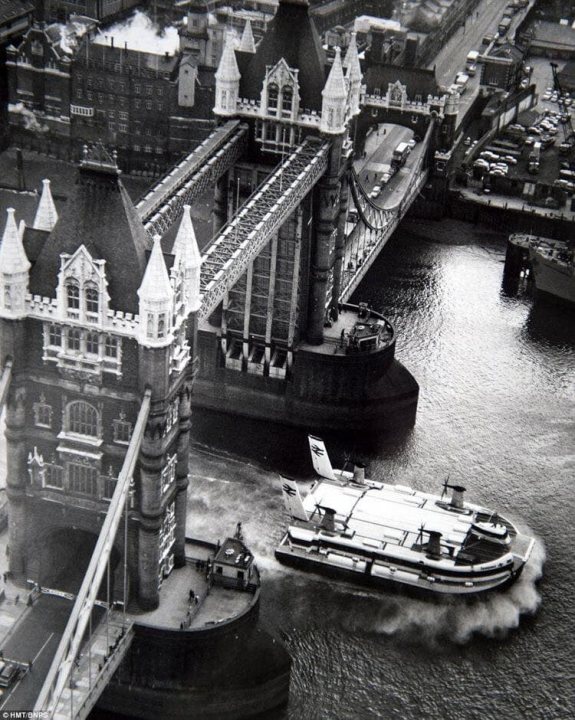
514, 203
13, 598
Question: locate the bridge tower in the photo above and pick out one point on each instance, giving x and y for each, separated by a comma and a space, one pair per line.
276, 345
92, 313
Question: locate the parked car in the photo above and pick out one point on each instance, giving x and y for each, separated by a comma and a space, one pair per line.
9, 674
510, 160
488, 155
375, 191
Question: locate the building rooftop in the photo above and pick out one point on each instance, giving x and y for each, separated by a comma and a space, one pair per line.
418, 81
118, 237
554, 34
291, 35
10, 9
139, 32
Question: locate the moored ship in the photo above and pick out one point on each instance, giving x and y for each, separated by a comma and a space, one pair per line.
393, 536
551, 262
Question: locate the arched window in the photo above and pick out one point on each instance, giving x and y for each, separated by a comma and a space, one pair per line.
162, 325
287, 101
150, 326
273, 95
92, 300
73, 295
82, 419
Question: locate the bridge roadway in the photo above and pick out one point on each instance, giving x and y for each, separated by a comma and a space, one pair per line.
385, 212
35, 639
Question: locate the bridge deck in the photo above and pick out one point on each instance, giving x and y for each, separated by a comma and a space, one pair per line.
230, 253
187, 178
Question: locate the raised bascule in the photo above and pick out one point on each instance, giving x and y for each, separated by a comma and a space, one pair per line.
113, 325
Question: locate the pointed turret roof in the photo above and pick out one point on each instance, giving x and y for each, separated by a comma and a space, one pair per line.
292, 35
351, 61
46, 214
100, 215
185, 244
228, 67
13, 258
335, 87
156, 284
247, 43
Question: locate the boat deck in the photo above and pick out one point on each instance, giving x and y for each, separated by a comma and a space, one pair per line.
395, 516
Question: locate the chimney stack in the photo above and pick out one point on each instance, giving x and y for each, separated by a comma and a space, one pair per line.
457, 497
359, 473
434, 544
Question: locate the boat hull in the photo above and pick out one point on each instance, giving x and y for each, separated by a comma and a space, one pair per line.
422, 590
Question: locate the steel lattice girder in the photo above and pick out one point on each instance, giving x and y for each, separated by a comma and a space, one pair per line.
161, 207
246, 235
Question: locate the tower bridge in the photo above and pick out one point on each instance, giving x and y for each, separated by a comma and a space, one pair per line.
105, 332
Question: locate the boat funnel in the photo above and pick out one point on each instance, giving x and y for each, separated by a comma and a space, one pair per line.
457, 496
434, 544
359, 473
328, 519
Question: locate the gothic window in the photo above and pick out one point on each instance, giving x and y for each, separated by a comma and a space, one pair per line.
273, 95
330, 116
122, 429
92, 300
74, 339
54, 476
73, 295
162, 325
55, 335
7, 297
82, 419
82, 479
111, 347
92, 343
42, 413
173, 413
150, 326
287, 101
169, 472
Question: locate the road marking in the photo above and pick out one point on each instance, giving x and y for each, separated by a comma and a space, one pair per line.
42, 648
6, 697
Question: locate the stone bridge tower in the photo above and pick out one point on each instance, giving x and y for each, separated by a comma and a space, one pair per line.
270, 350
93, 312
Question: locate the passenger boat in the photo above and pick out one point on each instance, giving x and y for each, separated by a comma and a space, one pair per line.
393, 536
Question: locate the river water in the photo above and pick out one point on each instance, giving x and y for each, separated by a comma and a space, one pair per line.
496, 415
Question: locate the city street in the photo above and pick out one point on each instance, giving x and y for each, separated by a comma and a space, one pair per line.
380, 146
451, 59
35, 639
